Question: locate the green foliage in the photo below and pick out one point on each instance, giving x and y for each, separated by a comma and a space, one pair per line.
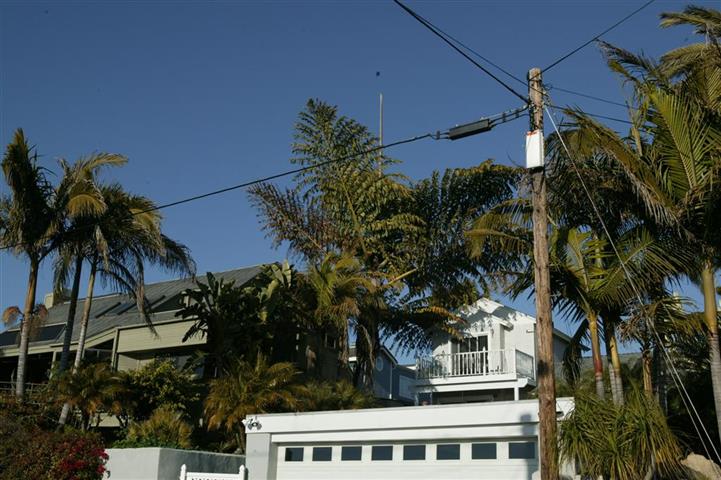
92, 389
158, 384
33, 453
248, 388
238, 322
405, 239
620, 442
164, 428
342, 395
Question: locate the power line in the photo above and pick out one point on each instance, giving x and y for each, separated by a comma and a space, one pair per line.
586, 95
294, 171
595, 115
582, 46
674, 373
442, 36
474, 52
431, 25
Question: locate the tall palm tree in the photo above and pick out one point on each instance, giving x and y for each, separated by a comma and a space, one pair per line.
125, 236
79, 185
675, 173
248, 388
28, 221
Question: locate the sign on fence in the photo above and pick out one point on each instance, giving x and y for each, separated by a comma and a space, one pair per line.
186, 475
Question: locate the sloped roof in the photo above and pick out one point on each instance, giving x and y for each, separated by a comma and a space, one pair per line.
108, 312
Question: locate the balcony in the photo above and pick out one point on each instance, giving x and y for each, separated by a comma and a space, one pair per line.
486, 363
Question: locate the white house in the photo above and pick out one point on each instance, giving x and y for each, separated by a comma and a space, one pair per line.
495, 360
471, 420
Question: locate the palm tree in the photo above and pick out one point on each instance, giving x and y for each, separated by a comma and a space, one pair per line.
27, 222
92, 389
79, 185
622, 442
339, 285
675, 173
249, 388
342, 395
125, 236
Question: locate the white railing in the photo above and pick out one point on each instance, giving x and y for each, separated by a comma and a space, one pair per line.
186, 475
483, 363
525, 365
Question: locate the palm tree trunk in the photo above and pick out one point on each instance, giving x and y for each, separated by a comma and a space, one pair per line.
83, 332
609, 364
70, 321
660, 379
343, 354
614, 360
647, 360
80, 353
25, 328
710, 312
596, 353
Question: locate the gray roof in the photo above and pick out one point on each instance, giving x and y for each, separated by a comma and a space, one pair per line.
108, 312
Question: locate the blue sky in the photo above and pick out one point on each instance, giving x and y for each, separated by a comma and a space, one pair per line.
203, 95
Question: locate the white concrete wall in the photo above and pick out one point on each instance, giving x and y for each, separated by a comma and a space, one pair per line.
463, 424
165, 463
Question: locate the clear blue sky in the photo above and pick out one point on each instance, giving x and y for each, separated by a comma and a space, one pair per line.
202, 95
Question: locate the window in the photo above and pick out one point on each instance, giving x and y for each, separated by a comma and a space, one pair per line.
448, 451
414, 452
294, 454
382, 452
322, 454
350, 454
522, 450
483, 451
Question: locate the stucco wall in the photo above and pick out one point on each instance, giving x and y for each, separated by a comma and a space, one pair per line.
165, 463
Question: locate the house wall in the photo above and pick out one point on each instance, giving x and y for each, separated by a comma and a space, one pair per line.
501, 423
166, 335
165, 463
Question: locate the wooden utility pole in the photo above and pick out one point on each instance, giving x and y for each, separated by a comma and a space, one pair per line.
548, 440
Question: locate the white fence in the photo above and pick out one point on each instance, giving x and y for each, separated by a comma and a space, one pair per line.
186, 475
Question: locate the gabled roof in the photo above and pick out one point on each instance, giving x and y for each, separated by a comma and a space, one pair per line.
504, 314
116, 310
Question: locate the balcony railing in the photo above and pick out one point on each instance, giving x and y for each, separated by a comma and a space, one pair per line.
484, 363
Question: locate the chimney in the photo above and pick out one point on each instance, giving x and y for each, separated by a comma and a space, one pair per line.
49, 298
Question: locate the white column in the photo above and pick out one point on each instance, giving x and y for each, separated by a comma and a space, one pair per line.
260, 457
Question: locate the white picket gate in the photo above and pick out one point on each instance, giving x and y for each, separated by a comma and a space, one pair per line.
186, 475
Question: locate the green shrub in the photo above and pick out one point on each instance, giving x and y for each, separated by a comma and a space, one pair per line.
157, 384
164, 428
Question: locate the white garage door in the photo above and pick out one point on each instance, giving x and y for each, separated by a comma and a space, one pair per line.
412, 460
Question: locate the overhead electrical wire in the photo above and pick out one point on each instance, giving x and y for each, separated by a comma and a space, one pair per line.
443, 33
595, 115
437, 136
674, 372
586, 95
584, 45
442, 36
